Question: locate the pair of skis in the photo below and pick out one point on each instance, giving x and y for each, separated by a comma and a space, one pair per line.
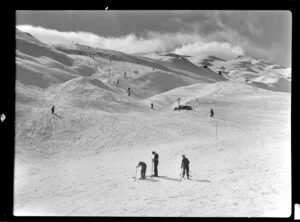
181, 176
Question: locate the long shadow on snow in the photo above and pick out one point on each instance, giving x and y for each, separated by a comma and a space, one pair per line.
57, 115
149, 179
168, 178
203, 181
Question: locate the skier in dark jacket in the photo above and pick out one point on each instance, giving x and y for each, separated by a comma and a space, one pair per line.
185, 166
52, 109
211, 113
143, 170
155, 163
152, 106
128, 91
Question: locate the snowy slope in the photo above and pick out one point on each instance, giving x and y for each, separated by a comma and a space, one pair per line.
256, 72
81, 160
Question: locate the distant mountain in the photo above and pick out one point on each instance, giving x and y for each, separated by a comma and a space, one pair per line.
204, 61
175, 55
26, 36
42, 65
73, 72
258, 72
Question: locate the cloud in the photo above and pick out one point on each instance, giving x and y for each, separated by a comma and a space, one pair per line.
51, 36
201, 50
253, 31
153, 41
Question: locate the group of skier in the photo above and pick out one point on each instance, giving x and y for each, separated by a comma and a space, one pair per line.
184, 166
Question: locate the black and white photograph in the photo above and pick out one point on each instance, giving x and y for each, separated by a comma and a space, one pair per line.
152, 113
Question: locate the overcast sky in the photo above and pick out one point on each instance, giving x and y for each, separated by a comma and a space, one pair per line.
226, 34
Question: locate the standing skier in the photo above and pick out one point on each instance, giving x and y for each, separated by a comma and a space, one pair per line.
211, 113
143, 170
128, 91
155, 163
152, 106
185, 166
52, 109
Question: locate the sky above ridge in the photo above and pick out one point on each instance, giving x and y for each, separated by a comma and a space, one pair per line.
225, 34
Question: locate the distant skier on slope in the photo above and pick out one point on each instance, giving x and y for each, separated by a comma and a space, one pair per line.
211, 113
128, 91
52, 109
152, 106
185, 166
143, 170
155, 163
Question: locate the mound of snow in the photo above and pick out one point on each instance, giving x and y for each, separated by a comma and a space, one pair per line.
160, 81
41, 72
272, 83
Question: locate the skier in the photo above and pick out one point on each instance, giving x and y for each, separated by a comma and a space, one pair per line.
118, 82
155, 163
128, 91
152, 106
143, 170
125, 74
211, 113
185, 165
52, 109
220, 73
